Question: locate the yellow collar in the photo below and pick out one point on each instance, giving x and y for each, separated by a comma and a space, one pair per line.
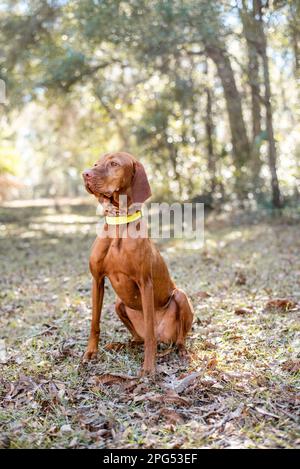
123, 220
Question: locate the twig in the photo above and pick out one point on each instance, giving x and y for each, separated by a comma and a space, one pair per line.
265, 412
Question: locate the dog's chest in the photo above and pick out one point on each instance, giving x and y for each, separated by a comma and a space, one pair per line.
119, 259
121, 270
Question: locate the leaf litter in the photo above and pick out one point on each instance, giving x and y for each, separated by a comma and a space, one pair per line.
239, 386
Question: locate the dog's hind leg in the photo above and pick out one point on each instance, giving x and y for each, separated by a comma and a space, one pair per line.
184, 319
122, 313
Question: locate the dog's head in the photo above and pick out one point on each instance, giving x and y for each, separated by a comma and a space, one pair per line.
117, 173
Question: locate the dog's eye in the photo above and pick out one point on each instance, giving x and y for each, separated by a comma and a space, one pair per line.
114, 163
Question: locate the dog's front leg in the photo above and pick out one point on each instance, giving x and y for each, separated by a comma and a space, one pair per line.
146, 289
97, 300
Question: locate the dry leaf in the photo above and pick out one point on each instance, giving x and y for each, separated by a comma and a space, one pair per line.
240, 278
207, 345
243, 311
115, 346
182, 384
165, 352
293, 366
173, 398
202, 294
171, 416
66, 428
4, 441
207, 381
217, 386
212, 363
109, 379
280, 304
170, 397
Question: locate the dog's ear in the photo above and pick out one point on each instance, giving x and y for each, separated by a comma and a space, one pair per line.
140, 185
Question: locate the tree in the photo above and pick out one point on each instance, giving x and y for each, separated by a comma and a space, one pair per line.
210, 131
250, 31
239, 138
137, 71
262, 49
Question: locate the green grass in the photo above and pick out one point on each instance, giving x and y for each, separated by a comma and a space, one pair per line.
243, 395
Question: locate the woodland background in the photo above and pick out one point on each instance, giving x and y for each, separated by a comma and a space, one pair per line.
203, 92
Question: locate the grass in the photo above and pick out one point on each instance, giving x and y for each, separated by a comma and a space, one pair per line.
243, 392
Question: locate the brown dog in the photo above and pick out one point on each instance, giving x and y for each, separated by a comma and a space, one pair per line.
149, 304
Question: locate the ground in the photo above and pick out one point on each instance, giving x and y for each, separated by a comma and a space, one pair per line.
237, 388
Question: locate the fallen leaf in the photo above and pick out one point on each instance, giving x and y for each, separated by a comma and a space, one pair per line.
171, 416
238, 374
182, 384
141, 388
4, 441
217, 386
292, 366
173, 398
165, 352
280, 304
73, 442
235, 337
109, 379
202, 294
170, 397
207, 345
207, 381
240, 278
115, 346
243, 311
66, 428
237, 412
212, 363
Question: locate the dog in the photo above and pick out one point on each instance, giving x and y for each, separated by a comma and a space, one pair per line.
148, 302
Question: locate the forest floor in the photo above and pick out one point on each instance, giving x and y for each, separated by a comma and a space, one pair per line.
238, 387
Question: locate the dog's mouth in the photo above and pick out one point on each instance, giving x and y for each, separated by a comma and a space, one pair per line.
103, 195
88, 188
95, 188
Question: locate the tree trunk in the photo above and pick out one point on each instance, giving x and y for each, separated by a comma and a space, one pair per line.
294, 27
239, 138
250, 27
276, 196
209, 130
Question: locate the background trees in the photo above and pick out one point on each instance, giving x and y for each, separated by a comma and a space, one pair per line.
205, 92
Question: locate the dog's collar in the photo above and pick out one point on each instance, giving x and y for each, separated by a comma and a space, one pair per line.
124, 219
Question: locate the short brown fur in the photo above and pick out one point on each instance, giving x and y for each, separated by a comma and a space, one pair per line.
149, 304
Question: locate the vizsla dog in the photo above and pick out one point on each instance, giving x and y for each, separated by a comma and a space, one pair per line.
149, 304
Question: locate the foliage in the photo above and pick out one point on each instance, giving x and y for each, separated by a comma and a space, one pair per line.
136, 75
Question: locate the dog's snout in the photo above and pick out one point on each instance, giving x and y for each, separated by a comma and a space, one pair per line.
87, 173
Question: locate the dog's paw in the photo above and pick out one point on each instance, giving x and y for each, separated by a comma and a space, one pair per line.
148, 373
89, 355
182, 351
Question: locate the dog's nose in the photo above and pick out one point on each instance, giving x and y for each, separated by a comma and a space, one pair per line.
87, 173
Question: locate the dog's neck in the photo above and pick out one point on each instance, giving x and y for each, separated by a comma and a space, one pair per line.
119, 204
